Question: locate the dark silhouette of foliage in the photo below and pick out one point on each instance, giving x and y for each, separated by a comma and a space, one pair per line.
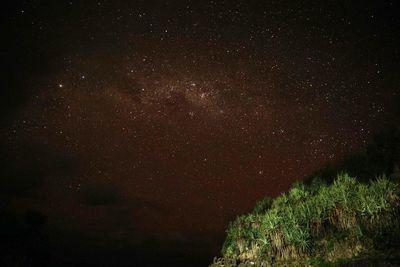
23, 241
381, 156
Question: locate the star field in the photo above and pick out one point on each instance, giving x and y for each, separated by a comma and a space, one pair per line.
163, 120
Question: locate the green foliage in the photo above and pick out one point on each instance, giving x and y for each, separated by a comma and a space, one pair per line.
263, 205
340, 220
330, 218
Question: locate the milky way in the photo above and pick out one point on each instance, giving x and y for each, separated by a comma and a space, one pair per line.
169, 129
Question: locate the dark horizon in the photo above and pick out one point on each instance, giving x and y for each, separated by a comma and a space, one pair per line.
133, 132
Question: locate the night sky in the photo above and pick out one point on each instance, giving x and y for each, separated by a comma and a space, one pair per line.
139, 129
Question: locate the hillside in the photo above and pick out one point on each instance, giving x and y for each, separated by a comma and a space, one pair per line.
326, 220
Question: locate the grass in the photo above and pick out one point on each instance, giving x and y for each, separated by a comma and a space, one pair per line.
316, 223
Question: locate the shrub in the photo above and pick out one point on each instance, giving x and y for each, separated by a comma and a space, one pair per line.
300, 224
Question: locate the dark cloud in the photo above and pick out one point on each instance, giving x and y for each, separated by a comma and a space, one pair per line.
99, 195
30, 166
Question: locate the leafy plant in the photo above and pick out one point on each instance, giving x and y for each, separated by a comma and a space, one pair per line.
315, 220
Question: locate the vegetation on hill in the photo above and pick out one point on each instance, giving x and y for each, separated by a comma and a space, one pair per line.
325, 221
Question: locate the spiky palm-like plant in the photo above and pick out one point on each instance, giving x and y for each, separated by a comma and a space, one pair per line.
299, 223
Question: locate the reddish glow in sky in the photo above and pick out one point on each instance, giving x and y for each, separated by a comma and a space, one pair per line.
163, 126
